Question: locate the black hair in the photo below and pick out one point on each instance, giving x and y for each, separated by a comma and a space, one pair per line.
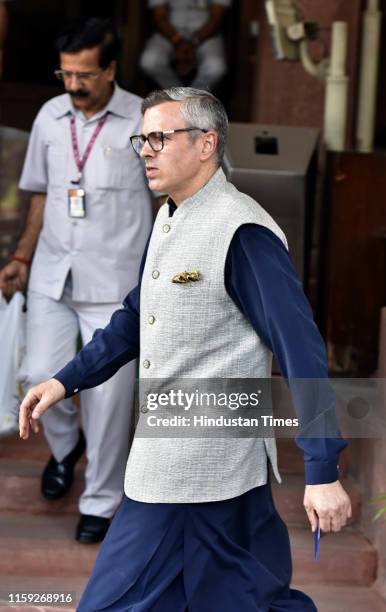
90, 33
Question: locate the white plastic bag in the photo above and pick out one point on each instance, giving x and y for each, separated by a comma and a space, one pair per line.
12, 337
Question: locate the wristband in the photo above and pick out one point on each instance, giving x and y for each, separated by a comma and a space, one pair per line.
26, 262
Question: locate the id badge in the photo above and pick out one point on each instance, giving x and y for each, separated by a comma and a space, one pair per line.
77, 203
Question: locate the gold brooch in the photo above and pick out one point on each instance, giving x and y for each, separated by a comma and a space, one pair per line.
186, 277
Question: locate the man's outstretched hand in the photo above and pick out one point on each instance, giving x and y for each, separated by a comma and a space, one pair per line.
36, 402
330, 503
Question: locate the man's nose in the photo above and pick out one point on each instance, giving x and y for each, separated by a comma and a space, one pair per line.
73, 81
146, 150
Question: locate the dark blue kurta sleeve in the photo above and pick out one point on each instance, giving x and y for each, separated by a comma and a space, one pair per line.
261, 280
109, 349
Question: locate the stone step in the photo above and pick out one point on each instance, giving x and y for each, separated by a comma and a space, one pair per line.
290, 457
33, 449
344, 598
345, 558
20, 492
289, 495
29, 546
36, 449
43, 546
20, 489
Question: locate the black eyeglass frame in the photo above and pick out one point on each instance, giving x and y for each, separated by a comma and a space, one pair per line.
144, 138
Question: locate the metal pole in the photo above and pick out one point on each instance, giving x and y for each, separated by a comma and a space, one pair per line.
368, 77
336, 90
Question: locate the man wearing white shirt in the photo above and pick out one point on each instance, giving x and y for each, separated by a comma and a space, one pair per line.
188, 38
89, 220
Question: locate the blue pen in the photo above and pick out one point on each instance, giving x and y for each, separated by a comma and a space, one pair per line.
316, 540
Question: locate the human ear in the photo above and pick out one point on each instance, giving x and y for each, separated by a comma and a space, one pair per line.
209, 144
111, 70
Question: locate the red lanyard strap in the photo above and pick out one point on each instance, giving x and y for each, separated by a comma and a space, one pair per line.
81, 162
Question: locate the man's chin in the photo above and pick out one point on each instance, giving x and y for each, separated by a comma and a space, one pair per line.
154, 183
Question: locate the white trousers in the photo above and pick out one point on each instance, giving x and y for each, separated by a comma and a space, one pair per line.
156, 60
52, 330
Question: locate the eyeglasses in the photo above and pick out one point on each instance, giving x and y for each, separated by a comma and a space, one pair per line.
66, 75
156, 140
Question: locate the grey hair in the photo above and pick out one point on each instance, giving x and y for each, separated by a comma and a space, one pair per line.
199, 108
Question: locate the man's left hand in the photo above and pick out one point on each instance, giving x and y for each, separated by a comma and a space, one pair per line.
330, 503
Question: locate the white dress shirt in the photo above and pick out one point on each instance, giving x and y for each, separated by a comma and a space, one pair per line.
102, 250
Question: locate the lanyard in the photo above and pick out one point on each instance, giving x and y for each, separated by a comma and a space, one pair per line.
81, 162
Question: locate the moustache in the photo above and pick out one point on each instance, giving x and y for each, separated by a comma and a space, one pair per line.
79, 93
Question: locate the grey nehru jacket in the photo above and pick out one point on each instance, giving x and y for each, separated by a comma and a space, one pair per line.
104, 249
193, 331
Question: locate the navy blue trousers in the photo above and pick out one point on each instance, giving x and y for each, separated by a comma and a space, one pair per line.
226, 556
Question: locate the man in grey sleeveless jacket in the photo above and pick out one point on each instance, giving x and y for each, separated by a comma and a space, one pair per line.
217, 296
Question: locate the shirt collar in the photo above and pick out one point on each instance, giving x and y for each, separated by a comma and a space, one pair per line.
117, 104
172, 206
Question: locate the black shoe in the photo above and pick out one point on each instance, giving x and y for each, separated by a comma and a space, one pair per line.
58, 476
91, 529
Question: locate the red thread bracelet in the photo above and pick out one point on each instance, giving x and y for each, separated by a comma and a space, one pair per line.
20, 260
